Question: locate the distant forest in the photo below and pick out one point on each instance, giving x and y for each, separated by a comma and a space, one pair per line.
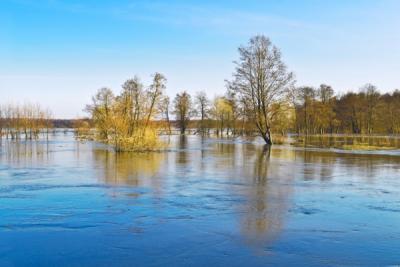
367, 111
316, 111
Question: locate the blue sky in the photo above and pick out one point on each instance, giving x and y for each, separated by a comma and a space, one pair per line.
59, 52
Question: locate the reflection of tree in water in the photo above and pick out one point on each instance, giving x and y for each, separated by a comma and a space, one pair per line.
325, 165
182, 154
266, 199
138, 169
317, 166
260, 183
25, 153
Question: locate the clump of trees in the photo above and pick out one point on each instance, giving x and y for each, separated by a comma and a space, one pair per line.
320, 111
127, 120
25, 121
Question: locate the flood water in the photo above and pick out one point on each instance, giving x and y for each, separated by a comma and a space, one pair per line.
206, 202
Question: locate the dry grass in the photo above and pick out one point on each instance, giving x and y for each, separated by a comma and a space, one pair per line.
349, 142
365, 147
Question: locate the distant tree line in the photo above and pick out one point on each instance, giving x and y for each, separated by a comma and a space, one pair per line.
306, 110
320, 111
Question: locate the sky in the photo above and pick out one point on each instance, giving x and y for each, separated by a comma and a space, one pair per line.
58, 53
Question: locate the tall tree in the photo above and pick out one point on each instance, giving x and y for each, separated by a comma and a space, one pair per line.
202, 105
131, 102
182, 110
154, 93
261, 79
164, 109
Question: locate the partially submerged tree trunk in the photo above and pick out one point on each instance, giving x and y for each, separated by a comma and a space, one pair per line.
267, 137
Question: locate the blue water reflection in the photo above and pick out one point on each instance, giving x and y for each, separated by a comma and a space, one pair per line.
204, 202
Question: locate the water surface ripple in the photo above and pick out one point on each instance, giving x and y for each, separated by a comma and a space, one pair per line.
205, 202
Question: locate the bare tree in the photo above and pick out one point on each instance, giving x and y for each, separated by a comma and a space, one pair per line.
164, 110
261, 80
154, 93
182, 110
132, 101
202, 107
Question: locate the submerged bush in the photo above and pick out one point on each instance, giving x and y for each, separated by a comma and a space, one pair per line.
140, 141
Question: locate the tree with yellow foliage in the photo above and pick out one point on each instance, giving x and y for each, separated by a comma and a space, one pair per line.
125, 120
